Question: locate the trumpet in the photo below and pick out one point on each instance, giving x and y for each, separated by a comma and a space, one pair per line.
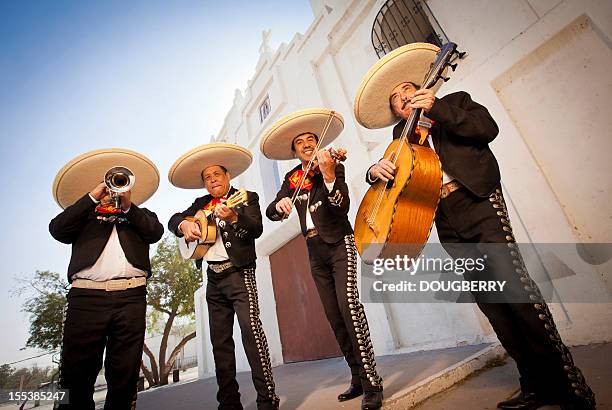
118, 180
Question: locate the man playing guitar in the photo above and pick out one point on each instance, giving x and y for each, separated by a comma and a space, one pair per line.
472, 210
231, 288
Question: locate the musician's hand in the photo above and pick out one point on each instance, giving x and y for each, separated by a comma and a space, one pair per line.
327, 165
284, 206
191, 231
223, 212
126, 200
384, 170
99, 191
423, 98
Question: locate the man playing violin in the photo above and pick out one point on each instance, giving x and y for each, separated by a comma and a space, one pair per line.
322, 203
472, 210
231, 288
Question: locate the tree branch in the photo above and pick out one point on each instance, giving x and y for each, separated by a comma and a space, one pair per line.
154, 371
158, 307
162, 348
177, 349
147, 373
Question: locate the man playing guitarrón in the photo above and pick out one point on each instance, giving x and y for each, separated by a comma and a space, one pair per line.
322, 205
231, 287
472, 210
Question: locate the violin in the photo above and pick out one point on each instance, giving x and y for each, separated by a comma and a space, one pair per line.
338, 155
302, 179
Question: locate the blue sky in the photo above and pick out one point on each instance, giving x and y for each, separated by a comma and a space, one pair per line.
157, 77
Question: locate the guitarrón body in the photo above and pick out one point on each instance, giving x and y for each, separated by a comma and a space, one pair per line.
405, 214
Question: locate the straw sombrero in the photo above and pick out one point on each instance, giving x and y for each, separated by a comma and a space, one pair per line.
407, 63
86, 171
276, 142
186, 172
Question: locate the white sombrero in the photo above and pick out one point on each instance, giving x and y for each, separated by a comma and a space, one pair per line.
409, 63
186, 172
276, 142
86, 171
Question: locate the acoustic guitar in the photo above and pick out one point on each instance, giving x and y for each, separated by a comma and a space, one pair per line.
401, 212
208, 228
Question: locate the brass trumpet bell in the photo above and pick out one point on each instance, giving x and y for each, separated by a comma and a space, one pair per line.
118, 180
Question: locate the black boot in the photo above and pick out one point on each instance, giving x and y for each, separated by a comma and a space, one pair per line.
354, 390
524, 401
372, 400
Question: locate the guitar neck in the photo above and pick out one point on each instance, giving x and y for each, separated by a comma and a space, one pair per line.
236, 199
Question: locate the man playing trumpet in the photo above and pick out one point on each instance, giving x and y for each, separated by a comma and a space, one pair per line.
108, 270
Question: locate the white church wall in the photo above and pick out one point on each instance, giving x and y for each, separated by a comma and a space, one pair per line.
324, 66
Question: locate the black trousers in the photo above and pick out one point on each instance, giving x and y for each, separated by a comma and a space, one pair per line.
526, 330
97, 319
229, 293
334, 270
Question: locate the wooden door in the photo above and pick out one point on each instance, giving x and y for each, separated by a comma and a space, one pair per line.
304, 330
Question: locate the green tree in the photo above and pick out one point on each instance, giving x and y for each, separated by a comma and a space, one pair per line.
45, 303
170, 296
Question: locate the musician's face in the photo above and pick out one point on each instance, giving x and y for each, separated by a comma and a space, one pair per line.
304, 146
400, 99
216, 180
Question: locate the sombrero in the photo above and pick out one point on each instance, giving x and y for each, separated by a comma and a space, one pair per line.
409, 63
186, 172
276, 142
86, 171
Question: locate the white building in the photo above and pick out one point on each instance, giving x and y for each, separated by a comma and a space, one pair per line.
539, 66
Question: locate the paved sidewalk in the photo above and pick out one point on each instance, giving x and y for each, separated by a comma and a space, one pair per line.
485, 388
315, 385
312, 385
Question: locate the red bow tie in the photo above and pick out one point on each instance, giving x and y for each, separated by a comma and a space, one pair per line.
213, 202
296, 178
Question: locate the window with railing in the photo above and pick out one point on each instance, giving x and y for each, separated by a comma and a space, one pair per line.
401, 22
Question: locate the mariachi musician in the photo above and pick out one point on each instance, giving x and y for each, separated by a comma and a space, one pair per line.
322, 203
109, 265
231, 288
472, 210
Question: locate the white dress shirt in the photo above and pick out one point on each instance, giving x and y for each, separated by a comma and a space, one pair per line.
112, 263
309, 223
217, 252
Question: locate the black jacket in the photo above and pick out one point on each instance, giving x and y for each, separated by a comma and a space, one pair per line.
461, 135
78, 225
330, 209
239, 237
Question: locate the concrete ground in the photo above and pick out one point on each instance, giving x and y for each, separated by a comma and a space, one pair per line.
408, 378
485, 388
311, 385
